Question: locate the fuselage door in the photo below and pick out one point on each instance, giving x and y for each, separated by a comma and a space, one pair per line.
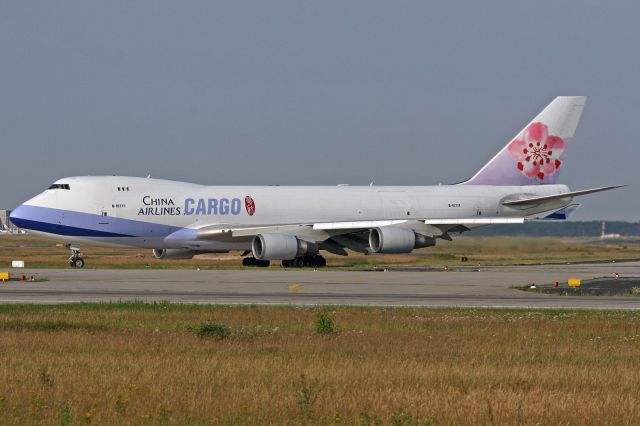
104, 217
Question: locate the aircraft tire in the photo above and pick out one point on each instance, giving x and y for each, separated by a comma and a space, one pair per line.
309, 261
315, 261
252, 261
78, 262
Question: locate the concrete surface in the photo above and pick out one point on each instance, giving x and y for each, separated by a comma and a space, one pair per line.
490, 287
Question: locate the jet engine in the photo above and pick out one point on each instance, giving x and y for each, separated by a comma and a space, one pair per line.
280, 247
392, 239
174, 253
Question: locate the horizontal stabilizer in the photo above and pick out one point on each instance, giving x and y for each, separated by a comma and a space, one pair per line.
539, 200
562, 214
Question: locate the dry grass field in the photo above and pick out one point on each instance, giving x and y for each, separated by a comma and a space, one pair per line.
38, 252
146, 364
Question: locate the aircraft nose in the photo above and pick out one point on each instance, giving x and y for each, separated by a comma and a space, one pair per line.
19, 217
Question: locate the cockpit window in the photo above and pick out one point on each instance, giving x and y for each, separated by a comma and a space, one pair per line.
60, 186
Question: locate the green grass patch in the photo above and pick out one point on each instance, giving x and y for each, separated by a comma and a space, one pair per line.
325, 325
213, 329
50, 326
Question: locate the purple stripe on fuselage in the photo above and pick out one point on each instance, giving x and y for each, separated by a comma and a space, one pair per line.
78, 224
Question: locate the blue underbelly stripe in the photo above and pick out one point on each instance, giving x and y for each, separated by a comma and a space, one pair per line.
80, 224
71, 231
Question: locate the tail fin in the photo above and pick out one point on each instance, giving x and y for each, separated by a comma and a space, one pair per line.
536, 154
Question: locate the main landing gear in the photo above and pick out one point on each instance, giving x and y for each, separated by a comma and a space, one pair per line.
76, 260
306, 261
252, 261
309, 260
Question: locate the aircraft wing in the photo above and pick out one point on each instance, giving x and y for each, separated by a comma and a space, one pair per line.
215, 232
363, 224
335, 237
312, 231
475, 221
534, 201
342, 232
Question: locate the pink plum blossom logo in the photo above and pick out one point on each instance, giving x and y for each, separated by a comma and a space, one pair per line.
250, 205
537, 152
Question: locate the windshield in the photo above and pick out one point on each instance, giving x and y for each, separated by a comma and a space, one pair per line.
60, 186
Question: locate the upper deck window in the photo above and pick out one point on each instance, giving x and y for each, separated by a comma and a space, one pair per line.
60, 186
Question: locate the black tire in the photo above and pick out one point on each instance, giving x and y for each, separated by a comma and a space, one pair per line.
315, 261
299, 262
72, 263
252, 261
286, 263
79, 262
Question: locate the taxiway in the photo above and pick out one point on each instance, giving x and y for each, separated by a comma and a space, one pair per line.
462, 287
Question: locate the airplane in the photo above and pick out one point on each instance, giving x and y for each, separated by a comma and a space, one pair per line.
294, 224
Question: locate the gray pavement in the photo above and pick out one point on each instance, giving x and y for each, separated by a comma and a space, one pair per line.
463, 287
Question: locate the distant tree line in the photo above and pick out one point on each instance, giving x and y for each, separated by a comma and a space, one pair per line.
560, 229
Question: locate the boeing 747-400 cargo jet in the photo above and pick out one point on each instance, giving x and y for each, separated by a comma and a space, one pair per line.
295, 223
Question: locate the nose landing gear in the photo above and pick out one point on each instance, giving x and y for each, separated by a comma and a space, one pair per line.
76, 260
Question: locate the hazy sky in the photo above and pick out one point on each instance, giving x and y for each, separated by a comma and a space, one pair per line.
238, 92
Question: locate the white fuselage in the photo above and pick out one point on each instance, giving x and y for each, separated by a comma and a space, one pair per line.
160, 214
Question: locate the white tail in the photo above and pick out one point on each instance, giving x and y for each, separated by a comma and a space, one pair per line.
536, 154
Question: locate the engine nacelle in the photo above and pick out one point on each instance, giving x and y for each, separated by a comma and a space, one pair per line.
174, 253
280, 247
392, 239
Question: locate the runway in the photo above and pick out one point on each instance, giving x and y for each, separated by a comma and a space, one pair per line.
464, 287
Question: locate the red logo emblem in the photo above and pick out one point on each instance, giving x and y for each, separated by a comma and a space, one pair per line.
250, 205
